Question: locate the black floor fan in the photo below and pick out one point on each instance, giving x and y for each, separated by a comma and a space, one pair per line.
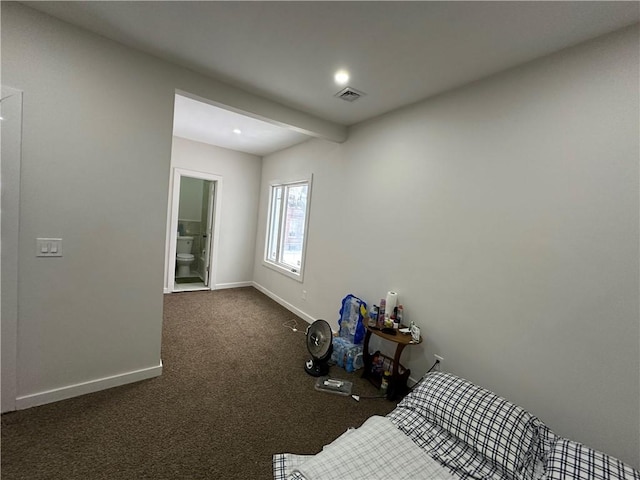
320, 346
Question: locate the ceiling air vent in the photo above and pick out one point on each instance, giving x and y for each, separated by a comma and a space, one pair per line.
349, 94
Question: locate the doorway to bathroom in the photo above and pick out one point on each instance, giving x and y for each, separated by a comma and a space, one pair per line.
193, 230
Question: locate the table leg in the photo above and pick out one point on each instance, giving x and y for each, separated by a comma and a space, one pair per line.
396, 360
366, 356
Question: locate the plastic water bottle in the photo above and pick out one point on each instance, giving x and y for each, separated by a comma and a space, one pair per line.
338, 352
358, 360
348, 364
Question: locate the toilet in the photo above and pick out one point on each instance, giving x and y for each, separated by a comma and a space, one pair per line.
184, 258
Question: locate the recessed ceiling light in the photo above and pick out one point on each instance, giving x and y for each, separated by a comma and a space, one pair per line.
341, 77
237, 131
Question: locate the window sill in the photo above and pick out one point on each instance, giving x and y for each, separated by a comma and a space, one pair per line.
283, 270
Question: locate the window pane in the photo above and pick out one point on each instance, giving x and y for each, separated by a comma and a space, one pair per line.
286, 225
274, 225
295, 213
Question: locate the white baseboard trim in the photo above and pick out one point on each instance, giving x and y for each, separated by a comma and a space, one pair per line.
221, 286
62, 393
284, 303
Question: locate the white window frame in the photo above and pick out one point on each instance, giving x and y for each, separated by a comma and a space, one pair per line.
278, 265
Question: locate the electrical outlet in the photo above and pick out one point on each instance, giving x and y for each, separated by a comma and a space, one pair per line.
304, 294
439, 358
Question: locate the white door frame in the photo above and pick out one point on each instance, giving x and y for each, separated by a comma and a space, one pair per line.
178, 173
211, 198
11, 164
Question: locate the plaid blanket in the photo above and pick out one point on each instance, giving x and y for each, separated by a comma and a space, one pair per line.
284, 464
375, 451
472, 433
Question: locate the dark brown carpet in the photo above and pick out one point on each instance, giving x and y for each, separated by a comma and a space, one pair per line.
233, 392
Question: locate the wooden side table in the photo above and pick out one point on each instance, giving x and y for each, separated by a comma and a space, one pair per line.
399, 374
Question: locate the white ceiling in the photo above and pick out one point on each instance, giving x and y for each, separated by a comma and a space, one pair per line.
396, 52
206, 123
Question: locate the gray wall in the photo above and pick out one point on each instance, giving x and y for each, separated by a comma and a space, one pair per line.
95, 171
506, 216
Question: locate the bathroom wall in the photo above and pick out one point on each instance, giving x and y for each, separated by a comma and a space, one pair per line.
190, 199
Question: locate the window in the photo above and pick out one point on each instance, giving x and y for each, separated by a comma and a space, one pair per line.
287, 227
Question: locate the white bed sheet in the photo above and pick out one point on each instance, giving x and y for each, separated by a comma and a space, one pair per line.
376, 450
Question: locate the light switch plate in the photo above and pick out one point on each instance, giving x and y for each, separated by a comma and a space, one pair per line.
48, 247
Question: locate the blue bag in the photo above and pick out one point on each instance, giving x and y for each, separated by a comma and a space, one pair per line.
352, 313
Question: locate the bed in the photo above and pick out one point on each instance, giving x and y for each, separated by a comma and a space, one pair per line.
449, 428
